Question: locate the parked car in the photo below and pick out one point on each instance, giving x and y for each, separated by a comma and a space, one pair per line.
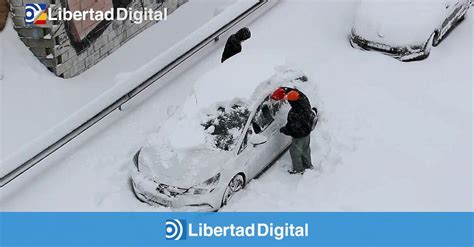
406, 30
225, 135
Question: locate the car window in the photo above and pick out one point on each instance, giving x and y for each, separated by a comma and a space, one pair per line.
265, 115
225, 126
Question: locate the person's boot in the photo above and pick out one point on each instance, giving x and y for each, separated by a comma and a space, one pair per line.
295, 172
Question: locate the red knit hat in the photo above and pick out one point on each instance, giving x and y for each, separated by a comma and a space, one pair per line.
279, 94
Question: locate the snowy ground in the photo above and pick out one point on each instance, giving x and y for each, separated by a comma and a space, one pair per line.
394, 136
30, 93
1, 56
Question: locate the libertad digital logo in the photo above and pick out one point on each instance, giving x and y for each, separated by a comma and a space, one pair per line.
175, 229
179, 230
39, 14
36, 14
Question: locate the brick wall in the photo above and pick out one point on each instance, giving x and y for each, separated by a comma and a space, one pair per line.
3, 13
82, 28
70, 48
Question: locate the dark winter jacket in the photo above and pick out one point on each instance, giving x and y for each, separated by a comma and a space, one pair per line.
232, 48
234, 43
300, 117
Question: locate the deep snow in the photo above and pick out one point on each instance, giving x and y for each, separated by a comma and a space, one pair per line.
31, 94
185, 151
1, 55
393, 137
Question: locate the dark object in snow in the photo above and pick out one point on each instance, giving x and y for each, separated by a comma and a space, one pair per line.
293, 172
226, 123
234, 43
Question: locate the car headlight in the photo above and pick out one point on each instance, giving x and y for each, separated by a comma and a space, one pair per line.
207, 186
135, 159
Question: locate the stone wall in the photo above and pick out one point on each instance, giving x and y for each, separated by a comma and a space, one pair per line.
68, 48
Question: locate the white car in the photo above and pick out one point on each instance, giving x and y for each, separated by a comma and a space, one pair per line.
226, 133
406, 30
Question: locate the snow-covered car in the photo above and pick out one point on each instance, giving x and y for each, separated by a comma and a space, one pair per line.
225, 134
406, 30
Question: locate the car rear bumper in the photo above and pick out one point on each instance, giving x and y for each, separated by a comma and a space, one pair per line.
405, 54
146, 191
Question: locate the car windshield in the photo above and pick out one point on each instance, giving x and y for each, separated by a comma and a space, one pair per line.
225, 126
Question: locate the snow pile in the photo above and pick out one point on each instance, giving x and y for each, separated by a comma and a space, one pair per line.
223, 95
1, 56
238, 78
399, 22
225, 126
57, 106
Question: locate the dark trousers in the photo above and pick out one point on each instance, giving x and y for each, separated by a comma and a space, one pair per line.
300, 152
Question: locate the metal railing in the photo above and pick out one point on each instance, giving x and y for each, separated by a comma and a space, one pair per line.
133, 93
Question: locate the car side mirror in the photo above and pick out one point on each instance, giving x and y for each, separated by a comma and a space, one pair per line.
258, 139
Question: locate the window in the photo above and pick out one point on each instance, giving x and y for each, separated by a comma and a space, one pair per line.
265, 115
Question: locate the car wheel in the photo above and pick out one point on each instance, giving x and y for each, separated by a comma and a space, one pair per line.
235, 185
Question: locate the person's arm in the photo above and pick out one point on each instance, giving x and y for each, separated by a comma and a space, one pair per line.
294, 127
284, 131
287, 129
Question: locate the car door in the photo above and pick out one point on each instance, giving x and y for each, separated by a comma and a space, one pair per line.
266, 123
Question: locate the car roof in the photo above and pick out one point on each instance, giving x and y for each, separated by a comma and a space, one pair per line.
236, 79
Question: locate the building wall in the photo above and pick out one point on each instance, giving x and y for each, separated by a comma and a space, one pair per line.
82, 28
69, 48
3, 13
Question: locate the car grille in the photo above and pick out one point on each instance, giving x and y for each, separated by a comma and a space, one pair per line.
170, 191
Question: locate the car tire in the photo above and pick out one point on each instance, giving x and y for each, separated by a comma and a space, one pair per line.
236, 184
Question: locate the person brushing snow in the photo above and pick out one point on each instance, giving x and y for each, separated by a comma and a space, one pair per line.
234, 43
300, 123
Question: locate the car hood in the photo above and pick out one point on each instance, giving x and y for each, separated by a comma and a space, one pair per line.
181, 168
398, 23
